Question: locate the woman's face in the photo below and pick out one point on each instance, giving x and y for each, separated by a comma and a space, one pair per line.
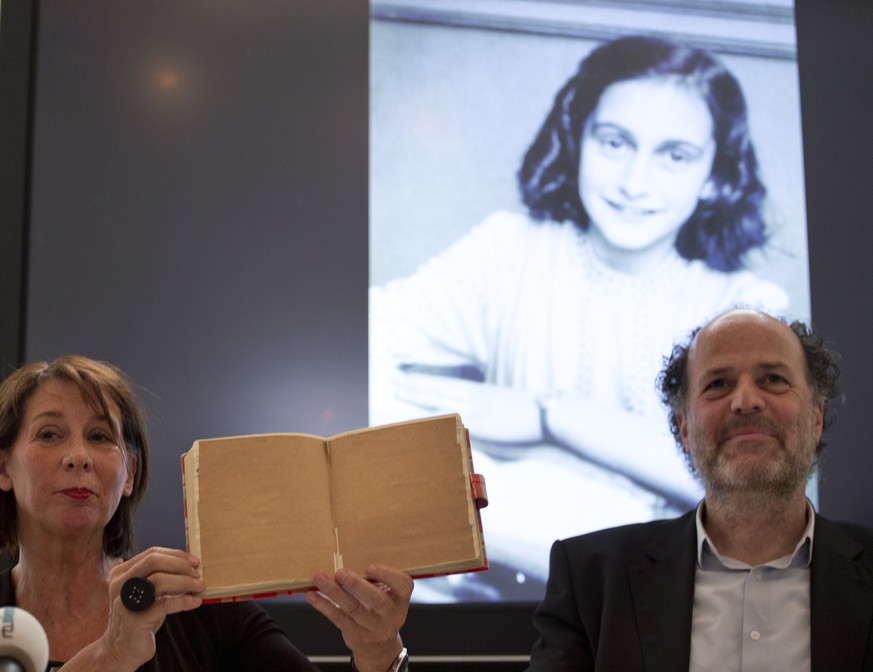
646, 156
65, 469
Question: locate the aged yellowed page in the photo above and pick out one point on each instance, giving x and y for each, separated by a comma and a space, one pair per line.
264, 509
402, 496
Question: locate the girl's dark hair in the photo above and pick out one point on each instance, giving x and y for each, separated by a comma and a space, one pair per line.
722, 229
104, 387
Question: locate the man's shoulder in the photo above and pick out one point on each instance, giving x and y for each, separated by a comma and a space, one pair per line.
843, 534
668, 536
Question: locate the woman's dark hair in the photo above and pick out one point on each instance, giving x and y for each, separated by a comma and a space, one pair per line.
107, 389
722, 229
822, 370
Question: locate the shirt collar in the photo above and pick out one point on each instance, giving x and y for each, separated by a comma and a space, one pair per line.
707, 553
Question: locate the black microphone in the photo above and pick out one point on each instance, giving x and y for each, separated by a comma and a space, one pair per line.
23, 642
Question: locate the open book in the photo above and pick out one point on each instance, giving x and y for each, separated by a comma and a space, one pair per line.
265, 512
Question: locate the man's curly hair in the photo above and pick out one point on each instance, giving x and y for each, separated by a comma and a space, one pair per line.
822, 371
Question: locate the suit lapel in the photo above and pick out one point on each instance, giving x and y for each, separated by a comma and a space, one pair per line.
841, 600
663, 597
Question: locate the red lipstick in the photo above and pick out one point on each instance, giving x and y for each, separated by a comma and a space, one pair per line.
79, 494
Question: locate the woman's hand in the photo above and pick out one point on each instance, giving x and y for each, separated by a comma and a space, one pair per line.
129, 640
368, 611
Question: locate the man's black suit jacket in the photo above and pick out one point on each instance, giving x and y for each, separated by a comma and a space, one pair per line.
621, 599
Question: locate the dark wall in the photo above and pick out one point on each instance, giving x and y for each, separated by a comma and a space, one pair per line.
836, 68
16, 29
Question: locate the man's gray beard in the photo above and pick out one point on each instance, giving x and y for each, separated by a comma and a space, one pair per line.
779, 478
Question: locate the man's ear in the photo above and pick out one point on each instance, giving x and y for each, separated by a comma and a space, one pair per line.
683, 430
818, 410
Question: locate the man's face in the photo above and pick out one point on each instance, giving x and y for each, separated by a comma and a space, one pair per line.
751, 423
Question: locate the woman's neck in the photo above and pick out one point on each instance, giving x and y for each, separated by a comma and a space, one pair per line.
67, 591
630, 261
58, 574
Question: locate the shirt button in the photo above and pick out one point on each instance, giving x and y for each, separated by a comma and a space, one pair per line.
759, 574
755, 635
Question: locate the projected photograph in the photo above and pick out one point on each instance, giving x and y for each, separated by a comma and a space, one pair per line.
558, 194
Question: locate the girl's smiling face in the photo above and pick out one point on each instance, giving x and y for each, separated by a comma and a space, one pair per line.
646, 157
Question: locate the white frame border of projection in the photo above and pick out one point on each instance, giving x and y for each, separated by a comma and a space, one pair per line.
458, 88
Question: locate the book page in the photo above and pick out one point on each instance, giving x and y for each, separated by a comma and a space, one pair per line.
264, 510
404, 489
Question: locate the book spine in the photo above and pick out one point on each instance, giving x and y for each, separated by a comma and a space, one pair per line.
185, 505
480, 498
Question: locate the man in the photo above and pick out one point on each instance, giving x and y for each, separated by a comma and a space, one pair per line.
753, 579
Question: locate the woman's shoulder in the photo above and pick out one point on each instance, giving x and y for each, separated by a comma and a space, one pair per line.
738, 288
502, 240
755, 292
510, 221
7, 591
514, 233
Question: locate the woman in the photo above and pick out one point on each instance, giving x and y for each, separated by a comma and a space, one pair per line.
643, 198
73, 467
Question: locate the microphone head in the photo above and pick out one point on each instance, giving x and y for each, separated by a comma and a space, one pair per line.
22, 639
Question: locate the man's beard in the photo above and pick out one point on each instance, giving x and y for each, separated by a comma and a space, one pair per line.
784, 470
